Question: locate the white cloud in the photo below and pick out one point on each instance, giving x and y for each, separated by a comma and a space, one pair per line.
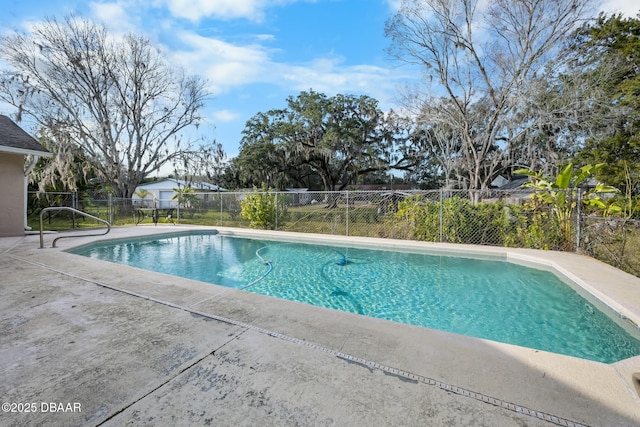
265, 37
195, 10
115, 16
225, 116
330, 76
231, 67
228, 66
109, 12
225, 65
629, 8
394, 4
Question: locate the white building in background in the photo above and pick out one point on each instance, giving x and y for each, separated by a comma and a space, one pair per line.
161, 193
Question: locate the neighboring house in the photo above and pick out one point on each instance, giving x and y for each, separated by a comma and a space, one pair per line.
518, 181
502, 183
161, 193
301, 196
514, 192
15, 145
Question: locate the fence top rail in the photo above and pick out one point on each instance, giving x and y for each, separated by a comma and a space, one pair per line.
51, 192
487, 192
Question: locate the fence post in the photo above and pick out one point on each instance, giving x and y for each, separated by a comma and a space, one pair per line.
109, 201
579, 220
347, 215
440, 213
220, 195
276, 218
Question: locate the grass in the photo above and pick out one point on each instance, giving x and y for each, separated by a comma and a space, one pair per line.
615, 243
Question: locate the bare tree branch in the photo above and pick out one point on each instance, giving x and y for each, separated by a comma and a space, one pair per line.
117, 99
479, 61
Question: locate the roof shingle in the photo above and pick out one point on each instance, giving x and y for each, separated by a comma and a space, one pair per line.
15, 140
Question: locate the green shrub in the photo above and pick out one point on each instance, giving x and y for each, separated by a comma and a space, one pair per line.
262, 210
462, 222
531, 226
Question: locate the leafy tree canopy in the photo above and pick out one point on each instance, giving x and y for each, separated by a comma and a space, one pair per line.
607, 53
337, 138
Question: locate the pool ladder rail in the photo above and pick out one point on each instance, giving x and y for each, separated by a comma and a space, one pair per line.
79, 212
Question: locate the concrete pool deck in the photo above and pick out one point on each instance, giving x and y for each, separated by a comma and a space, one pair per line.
132, 347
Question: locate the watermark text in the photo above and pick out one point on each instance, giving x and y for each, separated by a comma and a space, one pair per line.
41, 407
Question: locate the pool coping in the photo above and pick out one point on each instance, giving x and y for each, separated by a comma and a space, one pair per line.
592, 380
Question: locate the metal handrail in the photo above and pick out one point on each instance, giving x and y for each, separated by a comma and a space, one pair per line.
66, 208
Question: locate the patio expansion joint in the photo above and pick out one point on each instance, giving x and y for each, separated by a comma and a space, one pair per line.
171, 378
13, 245
554, 419
634, 393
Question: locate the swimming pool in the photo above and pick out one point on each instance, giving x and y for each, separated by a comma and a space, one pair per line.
483, 298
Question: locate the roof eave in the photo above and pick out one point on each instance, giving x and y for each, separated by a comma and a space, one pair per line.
12, 150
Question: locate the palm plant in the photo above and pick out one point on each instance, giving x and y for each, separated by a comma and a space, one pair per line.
186, 197
142, 193
561, 194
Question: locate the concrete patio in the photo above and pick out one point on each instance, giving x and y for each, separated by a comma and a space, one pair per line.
106, 344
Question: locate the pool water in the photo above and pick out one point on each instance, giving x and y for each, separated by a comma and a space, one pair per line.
495, 300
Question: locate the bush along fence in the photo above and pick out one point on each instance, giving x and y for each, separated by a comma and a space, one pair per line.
565, 220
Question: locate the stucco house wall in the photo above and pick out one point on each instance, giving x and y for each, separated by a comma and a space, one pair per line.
15, 146
12, 203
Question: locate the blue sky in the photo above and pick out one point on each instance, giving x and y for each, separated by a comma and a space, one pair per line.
256, 53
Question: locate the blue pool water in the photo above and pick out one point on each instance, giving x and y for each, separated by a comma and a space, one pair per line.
495, 300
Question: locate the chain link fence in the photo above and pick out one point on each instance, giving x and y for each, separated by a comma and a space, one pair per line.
615, 241
515, 218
